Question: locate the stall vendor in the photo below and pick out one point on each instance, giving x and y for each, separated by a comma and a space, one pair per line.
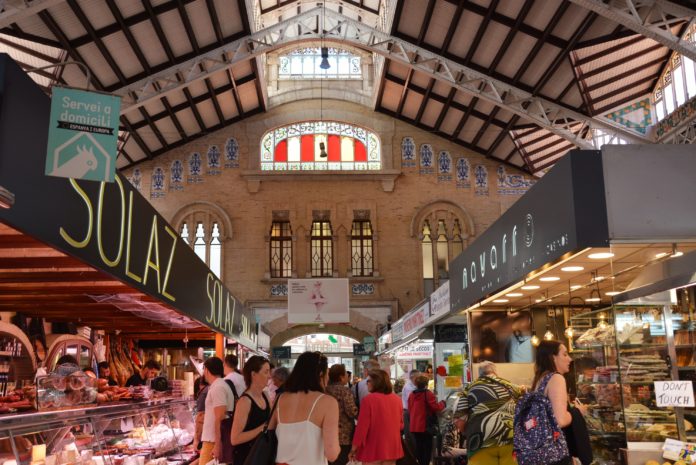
105, 373
149, 371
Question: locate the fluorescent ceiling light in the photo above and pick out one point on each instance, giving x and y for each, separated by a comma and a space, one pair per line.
610, 293
661, 254
572, 268
550, 278
514, 294
600, 255
575, 286
530, 288
592, 299
500, 301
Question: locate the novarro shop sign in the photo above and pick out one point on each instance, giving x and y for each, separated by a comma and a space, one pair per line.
564, 212
107, 225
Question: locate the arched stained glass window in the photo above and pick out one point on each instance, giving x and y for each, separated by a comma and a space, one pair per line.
320, 145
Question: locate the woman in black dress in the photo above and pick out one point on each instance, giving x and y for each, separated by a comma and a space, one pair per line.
253, 409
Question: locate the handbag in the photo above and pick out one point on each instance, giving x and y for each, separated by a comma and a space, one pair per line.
227, 449
265, 448
432, 426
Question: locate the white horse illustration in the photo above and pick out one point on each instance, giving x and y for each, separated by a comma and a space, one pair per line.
77, 166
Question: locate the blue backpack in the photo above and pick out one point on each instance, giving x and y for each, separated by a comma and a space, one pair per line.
537, 439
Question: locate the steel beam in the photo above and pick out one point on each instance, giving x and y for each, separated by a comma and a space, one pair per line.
13, 10
650, 18
544, 113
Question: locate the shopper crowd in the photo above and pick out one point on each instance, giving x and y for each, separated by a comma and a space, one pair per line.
317, 417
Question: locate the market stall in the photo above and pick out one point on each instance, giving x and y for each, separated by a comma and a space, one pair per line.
88, 269
575, 259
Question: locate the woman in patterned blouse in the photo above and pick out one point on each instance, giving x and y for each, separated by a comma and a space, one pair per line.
489, 404
347, 410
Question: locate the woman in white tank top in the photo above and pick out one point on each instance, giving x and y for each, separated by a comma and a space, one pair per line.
306, 420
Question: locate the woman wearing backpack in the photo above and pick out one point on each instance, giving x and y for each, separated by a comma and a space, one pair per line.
545, 410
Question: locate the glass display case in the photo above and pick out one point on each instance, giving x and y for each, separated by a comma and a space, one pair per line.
619, 353
138, 433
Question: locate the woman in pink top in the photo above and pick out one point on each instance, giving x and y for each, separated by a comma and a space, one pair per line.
377, 439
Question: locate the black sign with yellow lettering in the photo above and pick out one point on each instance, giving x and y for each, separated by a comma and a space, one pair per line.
107, 225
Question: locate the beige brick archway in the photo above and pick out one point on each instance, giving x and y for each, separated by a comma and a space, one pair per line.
303, 330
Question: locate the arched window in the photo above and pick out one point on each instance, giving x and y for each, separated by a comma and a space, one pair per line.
322, 249
204, 227
320, 145
361, 248
305, 63
281, 249
443, 231
678, 81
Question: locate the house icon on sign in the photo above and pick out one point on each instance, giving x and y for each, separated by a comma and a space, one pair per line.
82, 157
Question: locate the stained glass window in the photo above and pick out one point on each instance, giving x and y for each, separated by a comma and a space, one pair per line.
215, 251
361, 248
185, 233
281, 249
322, 249
199, 244
320, 146
304, 63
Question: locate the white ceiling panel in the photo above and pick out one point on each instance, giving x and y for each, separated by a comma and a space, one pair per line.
197, 88
515, 55
465, 33
420, 79
148, 136
150, 45
409, 23
133, 149
452, 119
121, 162
541, 13
440, 23
97, 64
97, 13
412, 105
490, 44
129, 8
431, 113
391, 95
398, 70
489, 136
540, 64
570, 22
123, 54
242, 69
67, 21
154, 107
176, 98
168, 130
229, 17
442, 88
208, 114
463, 98
247, 94
510, 8
188, 122
470, 129
175, 33
228, 105
201, 23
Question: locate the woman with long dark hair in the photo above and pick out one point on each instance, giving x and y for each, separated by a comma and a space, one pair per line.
552, 362
306, 419
253, 409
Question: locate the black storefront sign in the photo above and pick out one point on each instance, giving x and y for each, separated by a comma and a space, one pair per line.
107, 225
360, 349
451, 333
562, 213
281, 353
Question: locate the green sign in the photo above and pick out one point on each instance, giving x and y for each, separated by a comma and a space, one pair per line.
83, 135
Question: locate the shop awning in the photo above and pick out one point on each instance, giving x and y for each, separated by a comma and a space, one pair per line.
423, 334
100, 230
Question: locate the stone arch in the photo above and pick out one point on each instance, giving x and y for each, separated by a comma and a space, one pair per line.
202, 208
303, 330
453, 211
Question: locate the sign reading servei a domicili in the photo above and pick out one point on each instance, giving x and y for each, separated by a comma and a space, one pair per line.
83, 134
107, 225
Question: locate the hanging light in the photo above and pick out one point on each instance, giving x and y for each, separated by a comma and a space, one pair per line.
535, 339
602, 321
569, 332
548, 335
325, 58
